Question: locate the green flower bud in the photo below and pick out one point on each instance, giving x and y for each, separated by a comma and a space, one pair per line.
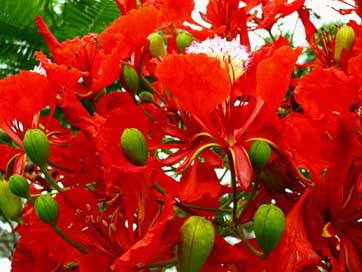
156, 45
130, 78
197, 241
344, 40
259, 154
134, 146
146, 96
183, 40
46, 208
10, 204
19, 185
269, 226
36, 146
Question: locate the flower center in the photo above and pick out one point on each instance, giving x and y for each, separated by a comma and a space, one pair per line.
232, 55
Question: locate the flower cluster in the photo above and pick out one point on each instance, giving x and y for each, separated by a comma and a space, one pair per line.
154, 145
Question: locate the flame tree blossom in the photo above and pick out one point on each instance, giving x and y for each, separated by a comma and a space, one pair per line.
153, 125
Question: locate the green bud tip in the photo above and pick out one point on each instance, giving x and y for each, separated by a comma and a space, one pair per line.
46, 208
197, 242
10, 204
344, 40
130, 78
36, 146
259, 154
156, 45
19, 185
269, 226
134, 146
183, 40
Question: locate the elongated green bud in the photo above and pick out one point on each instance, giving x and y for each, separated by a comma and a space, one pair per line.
36, 146
46, 208
130, 78
10, 204
259, 154
183, 40
156, 45
146, 96
344, 40
269, 226
134, 146
197, 241
19, 185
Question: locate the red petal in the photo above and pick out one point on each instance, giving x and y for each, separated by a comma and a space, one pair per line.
49, 38
273, 75
200, 182
324, 91
16, 103
199, 75
142, 251
243, 168
303, 141
130, 31
351, 255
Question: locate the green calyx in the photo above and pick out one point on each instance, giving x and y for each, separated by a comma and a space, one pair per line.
344, 40
10, 204
197, 241
259, 154
46, 208
36, 146
156, 45
19, 185
269, 226
130, 78
183, 40
134, 146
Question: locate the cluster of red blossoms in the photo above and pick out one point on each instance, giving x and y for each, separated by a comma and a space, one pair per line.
153, 145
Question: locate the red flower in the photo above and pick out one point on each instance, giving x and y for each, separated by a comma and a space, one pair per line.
324, 91
333, 209
99, 68
229, 120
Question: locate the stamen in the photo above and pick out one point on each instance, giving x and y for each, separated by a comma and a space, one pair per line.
233, 56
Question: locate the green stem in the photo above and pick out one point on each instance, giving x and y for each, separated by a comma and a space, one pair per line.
53, 164
29, 198
53, 183
234, 186
241, 235
149, 86
223, 175
11, 227
51, 193
177, 204
228, 202
159, 188
197, 207
251, 197
80, 247
50, 178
